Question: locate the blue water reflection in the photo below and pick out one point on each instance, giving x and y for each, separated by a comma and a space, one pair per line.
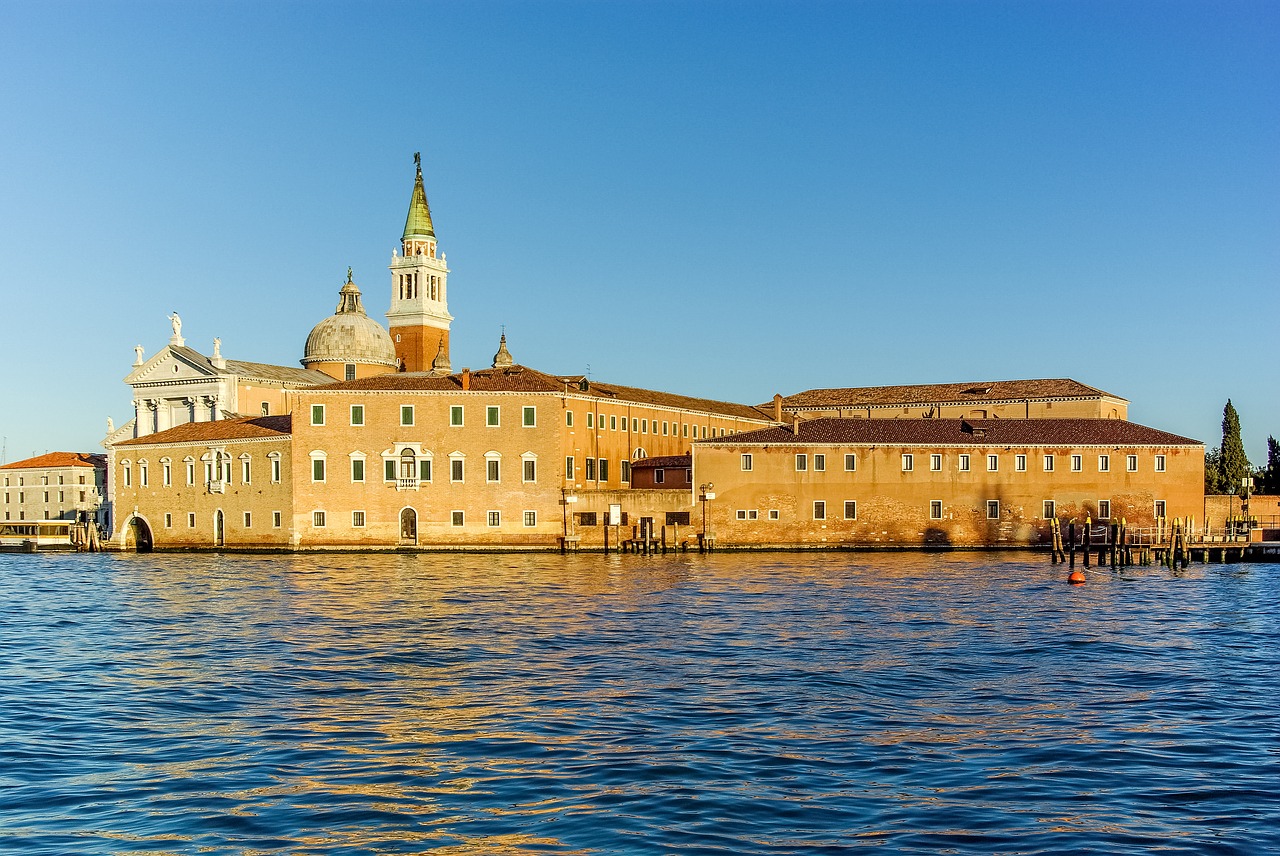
720, 704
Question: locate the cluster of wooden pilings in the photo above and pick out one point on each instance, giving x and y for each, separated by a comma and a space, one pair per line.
644, 540
1118, 546
86, 538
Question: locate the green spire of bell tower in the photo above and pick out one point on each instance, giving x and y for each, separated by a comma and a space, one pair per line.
418, 223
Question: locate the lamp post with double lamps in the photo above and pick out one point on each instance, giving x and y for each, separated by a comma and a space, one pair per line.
704, 494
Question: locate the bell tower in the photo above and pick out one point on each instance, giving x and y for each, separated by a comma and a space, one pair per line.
419, 316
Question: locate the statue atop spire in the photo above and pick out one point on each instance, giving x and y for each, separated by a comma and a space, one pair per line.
349, 298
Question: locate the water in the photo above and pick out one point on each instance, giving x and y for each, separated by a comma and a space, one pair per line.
726, 704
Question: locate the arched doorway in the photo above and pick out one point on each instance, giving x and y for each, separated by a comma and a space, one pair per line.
408, 526
137, 536
219, 529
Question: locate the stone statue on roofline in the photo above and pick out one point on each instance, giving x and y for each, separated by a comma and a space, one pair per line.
176, 323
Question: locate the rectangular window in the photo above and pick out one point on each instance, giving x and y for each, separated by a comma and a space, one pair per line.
357, 519
142, 479
819, 510
530, 417
349, 372
664, 428
589, 465
491, 415
317, 519
802, 463
819, 463
317, 470
635, 425
275, 519
850, 509
357, 414
613, 422
773, 514
644, 426
850, 463
626, 472
244, 472
491, 470
389, 470
684, 429
568, 419
1104, 463
908, 463
1159, 508
1131, 463
455, 415
191, 520
275, 470
168, 521
424, 469
1020, 463
531, 518
248, 520
495, 518
1048, 510
993, 463
1048, 463
166, 475
1077, 463
568, 467
659, 476
935, 509
993, 509
530, 469
1104, 509
604, 469
746, 463
317, 414
1159, 463
964, 463
935, 463
591, 420
455, 470
406, 414
357, 469
457, 518
191, 472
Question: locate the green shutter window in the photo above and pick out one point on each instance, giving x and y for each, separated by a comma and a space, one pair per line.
389, 470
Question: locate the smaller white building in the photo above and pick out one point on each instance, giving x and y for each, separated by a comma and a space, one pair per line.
55, 486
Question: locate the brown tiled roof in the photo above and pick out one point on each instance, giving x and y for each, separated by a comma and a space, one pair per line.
663, 462
244, 428
524, 379
49, 460
942, 393
953, 432
257, 371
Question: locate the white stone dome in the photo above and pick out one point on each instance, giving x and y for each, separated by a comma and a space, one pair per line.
349, 335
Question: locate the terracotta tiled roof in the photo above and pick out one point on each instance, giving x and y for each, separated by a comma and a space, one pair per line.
663, 462
244, 428
942, 393
953, 432
524, 379
49, 460
257, 371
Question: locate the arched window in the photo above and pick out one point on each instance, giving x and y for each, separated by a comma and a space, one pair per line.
408, 464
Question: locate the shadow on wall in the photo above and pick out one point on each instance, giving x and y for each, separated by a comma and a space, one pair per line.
935, 537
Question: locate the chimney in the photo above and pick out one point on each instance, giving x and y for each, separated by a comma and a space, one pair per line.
795, 424
777, 407
466, 379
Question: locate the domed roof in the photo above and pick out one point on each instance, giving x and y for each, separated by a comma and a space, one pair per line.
349, 335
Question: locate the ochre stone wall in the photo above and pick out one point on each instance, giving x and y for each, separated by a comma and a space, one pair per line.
417, 346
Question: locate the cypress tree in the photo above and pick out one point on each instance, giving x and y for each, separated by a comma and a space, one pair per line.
1213, 472
1271, 475
1233, 465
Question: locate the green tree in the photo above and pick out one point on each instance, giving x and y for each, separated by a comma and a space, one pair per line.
1233, 464
1271, 475
1213, 485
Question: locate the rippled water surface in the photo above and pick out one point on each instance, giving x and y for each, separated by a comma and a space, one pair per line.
725, 704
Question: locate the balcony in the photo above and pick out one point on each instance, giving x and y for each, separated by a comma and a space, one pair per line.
216, 486
407, 484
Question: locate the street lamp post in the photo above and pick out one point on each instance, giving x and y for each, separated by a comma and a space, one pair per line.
704, 491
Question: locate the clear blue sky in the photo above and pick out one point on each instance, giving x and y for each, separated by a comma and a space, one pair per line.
723, 199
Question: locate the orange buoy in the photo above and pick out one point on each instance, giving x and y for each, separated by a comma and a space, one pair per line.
1076, 578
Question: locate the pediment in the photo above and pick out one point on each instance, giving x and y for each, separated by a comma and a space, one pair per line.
172, 366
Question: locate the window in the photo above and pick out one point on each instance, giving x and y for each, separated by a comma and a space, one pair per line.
908, 463
1104, 509
424, 469
245, 471
491, 416
266, 408
626, 472
142, 478
993, 509
529, 416
635, 425
659, 476
1104, 463
850, 463
773, 514
530, 470
1048, 463
248, 520
568, 467
455, 470
746, 463
1077, 463
531, 518
1020, 463
406, 414
168, 521
935, 463
1159, 465
166, 474
591, 422
819, 510
457, 518
819, 463
802, 463
491, 470
568, 418
275, 467
357, 519
1159, 508
684, 429
389, 469
589, 464
604, 469
317, 469
747, 514
317, 414
935, 509
964, 463
357, 469
993, 463
349, 371
191, 520
455, 415
664, 428
495, 518
850, 509
317, 519
128, 478
1048, 510
275, 519
613, 422
1131, 463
